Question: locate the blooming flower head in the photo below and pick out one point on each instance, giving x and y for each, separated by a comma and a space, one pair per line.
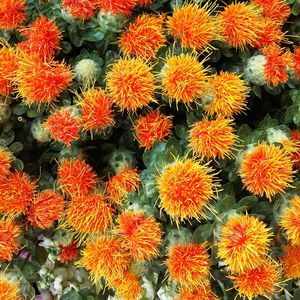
68, 252
185, 188
192, 25
144, 37
81, 9
240, 24
117, 7
243, 241
188, 265
266, 170
290, 261
263, 280
63, 126
200, 292
183, 78
152, 127
213, 139
139, 234
96, 110
295, 137
76, 177
46, 208
131, 84
296, 61
9, 290
11, 13
9, 239
227, 95
5, 160
104, 257
17, 192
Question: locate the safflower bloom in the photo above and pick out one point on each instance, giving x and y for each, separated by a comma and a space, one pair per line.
76, 177
193, 26
81, 9
185, 188
213, 139
239, 24
63, 126
68, 252
5, 160
188, 265
117, 7
131, 84
9, 239
46, 208
296, 60
243, 241
9, 290
290, 261
144, 37
152, 127
266, 170
17, 192
11, 13
263, 280
202, 292
96, 110
104, 258
183, 78
139, 234
295, 156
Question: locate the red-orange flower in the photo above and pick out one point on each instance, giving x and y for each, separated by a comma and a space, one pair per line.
202, 292
295, 136
151, 128
76, 177
144, 2
63, 126
266, 170
81, 9
17, 192
46, 208
117, 7
139, 234
9, 239
68, 252
9, 290
296, 61
5, 160
290, 261
11, 13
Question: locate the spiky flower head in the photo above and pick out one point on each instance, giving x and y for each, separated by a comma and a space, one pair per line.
296, 61
266, 170
117, 7
9, 239
17, 192
243, 241
152, 127
185, 189
46, 208
68, 252
82, 9
144, 37
131, 84
96, 110
239, 24
86, 70
202, 292
104, 257
12, 13
5, 161
192, 25
290, 261
9, 290
76, 177
213, 139
188, 265
295, 156
184, 78
139, 234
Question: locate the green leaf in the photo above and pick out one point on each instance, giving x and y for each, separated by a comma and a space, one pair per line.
247, 202
16, 147
72, 295
202, 233
290, 113
226, 203
93, 36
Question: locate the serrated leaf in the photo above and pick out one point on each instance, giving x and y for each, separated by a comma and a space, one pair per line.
247, 202
226, 203
202, 233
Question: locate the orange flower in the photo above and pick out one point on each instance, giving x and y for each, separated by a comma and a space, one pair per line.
185, 188
9, 290
144, 37
202, 292
96, 110
290, 261
11, 13
43, 38
17, 192
192, 25
184, 78
131, 84
5, 160
41, 82
243, 241
118, 186
240, 24
275, 68
266, 170
296, 61
104, 257
188, 265
151, 128
227, 95
295, 136
139, 234
213, 139
116, 7
45, 209
263, 280
82, 9
88, 215
68, 253
63, 126
76, 177
144, 2
9, 239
